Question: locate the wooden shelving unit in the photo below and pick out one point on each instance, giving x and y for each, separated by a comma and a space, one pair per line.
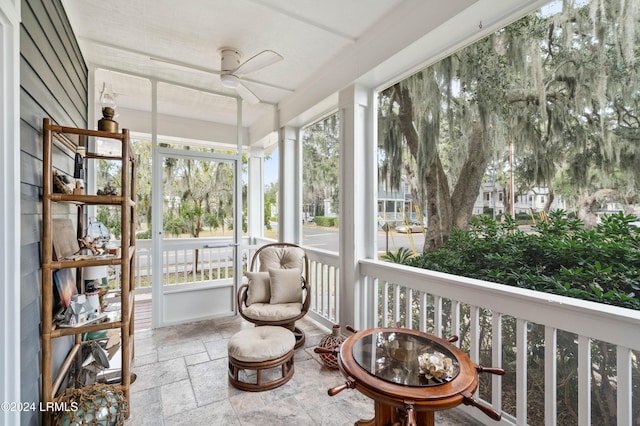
69, 139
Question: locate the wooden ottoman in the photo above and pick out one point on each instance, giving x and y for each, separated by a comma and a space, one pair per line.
261, 348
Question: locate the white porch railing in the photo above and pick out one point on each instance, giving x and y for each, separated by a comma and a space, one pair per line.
214, 263
552, 347
555, 329
325, 284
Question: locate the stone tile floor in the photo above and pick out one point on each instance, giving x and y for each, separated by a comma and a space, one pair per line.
182, 380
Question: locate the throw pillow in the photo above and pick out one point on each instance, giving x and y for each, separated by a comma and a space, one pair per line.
259, 288
286, 286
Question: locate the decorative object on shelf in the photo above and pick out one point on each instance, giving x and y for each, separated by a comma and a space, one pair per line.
98, 404
86, 243
331, 341
108, 101
93, 299
78, 163
96, 275
64, 240
62, 184
79, 310
78, 166
66, 286
78, 190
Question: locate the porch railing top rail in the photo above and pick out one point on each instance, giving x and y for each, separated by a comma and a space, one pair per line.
607, 323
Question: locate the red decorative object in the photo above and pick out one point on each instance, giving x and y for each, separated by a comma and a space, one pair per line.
331, 341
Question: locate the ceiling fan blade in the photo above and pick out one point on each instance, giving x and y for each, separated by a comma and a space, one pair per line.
246, 94
185, 65
258, 61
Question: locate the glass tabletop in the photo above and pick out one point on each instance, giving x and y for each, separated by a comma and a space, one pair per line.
405, 359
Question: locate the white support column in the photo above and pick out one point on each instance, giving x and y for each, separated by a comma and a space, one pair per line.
91, 170
157, 312
10, 365
255, 196
290, 177
357, 203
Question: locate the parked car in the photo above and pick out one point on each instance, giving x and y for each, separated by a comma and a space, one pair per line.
635, 224
413, 227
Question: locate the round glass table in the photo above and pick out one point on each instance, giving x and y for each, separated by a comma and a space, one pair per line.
409, 375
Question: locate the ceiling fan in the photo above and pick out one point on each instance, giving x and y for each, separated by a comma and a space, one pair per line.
232, 70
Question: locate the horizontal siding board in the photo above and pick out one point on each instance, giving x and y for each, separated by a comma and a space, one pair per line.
29, 354
30, 323
62, 160
31, 112
31, 281
30, 264
30, 199
76, 63
30, 228
30, 170
31, 167
47, 73
56, 53
46, 105
46, 47
31, 140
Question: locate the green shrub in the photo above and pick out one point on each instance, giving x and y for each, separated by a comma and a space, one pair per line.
559, 256
402, 256
144, 235
326, 220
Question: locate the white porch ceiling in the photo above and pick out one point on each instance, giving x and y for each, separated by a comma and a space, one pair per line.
326, 45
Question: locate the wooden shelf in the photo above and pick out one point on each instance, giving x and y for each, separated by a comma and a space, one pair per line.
71, 139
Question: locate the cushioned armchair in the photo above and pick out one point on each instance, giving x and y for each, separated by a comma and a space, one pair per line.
277, 291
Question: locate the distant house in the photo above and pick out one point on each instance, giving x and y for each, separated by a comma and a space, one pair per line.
491, 198
397, 206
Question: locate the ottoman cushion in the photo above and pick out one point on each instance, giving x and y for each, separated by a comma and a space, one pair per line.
261, 343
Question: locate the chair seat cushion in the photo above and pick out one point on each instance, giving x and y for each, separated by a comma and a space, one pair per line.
261, 343
268, 312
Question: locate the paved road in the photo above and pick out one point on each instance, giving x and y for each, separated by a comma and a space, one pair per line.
327, 239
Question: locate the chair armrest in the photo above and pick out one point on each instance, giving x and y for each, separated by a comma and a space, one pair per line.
307, 296
242, 296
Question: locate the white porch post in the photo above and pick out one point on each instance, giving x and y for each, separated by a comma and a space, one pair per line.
357, 203
10, 365
290, 193
255, 196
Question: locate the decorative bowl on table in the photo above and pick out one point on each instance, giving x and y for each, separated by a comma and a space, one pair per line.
436, 366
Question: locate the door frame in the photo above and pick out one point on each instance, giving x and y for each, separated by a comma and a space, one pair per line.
10, 333
159, 154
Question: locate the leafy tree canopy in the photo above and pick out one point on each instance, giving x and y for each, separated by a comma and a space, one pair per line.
561, 85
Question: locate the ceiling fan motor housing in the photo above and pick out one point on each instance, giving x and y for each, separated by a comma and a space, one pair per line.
230, 59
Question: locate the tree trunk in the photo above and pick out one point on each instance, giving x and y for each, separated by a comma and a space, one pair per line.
445, 211
550, 198
585, 208
439, 209
466, 191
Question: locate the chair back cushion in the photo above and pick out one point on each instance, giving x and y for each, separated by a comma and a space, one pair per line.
281, 258
259, 290
286, 285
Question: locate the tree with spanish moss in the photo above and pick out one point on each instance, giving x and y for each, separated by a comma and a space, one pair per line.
561, 87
